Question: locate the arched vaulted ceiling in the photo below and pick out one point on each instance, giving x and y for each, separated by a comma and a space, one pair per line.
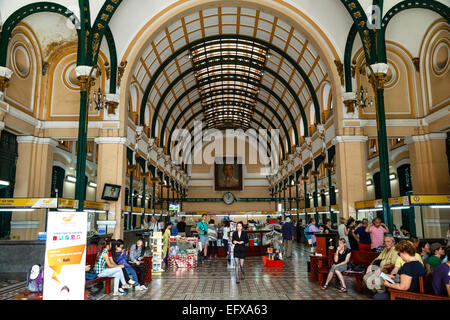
228, 62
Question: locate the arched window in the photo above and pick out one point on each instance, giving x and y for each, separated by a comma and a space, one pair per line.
312, 114
326, 93
302, 127
293, 137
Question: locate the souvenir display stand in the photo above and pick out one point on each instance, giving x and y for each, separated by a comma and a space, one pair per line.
182, 252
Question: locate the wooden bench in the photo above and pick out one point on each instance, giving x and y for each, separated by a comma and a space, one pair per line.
358, 257
90, 260
27, 295
364, 258
425, 291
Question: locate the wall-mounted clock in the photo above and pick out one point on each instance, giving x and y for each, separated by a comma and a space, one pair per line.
228, 198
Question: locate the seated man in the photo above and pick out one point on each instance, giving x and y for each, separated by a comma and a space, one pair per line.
441, 277
384, 262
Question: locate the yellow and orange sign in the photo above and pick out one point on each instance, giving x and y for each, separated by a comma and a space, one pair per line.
430, 199
28, 203
58, 258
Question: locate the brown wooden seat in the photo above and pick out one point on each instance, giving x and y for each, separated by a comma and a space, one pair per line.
27, 295
364, 258
90, 260
425, 291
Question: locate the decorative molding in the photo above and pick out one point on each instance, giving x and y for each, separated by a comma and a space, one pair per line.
83, 71
111, 140
37, 140
426, 137
339, 139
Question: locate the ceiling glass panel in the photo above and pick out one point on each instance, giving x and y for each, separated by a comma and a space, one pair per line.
228, 73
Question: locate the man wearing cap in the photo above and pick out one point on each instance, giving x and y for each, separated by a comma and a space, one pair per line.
288, 236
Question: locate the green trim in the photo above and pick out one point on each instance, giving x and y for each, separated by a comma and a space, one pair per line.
221, 200
100, 26
188, 71
85, 29
199, 112
113, 59
348, 57
362, 19
21, 14
190, 45
432, 5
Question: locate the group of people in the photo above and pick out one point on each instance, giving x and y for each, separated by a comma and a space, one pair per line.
402, 263
362, 235
114, 261
208, 236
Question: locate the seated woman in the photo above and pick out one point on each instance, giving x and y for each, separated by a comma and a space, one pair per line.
112, 258
104, 268
136, 259
341, 259
409, 272
400, 262
121, 258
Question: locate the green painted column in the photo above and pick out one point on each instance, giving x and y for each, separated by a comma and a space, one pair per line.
296, 196
290, 197
333, 215
143, 201
80, 184
153, 196
384, 159
307, 203
315, 194
130, 201
161, 199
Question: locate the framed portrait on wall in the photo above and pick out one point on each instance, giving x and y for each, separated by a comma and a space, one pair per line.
228, 175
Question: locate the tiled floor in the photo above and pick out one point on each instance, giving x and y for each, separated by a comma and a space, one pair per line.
214, 280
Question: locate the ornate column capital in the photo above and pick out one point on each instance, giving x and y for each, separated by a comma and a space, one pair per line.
5, 75
349, 99
112, 100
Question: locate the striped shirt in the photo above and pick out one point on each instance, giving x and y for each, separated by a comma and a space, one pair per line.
100, 264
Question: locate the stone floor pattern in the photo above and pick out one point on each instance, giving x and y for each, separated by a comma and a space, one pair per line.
214, 280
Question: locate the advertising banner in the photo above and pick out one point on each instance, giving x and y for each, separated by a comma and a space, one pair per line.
64, 273
28, 203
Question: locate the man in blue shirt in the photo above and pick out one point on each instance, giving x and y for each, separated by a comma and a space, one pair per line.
363, 237
288, 236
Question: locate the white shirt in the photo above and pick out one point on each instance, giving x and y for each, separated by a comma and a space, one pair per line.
341, 231
226, 233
